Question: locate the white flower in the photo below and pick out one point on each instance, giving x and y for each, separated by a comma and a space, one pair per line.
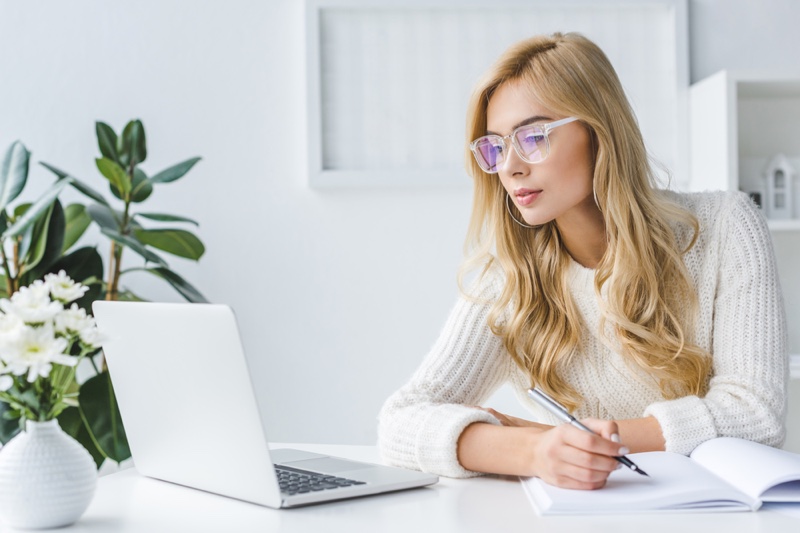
92, 337
35, 351
73, 320
10, 329
32, 304
5, 383
63, 288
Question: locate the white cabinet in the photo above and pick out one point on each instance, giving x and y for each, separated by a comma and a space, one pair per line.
739, 122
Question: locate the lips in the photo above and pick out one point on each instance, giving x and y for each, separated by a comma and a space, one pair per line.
526, 196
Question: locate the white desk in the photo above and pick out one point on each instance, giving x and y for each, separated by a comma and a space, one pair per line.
128, 502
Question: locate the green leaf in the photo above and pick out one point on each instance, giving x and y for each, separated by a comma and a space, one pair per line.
81, 265
115, 175
71, 422
9, 423
105, 217
174, 172
133, 244
178, 283
21, 209
36, 210
97, 291
47, 243
128, 296
13, 173
106, 140
163, 217
100, 413
25, 238
78, 184
174, 241
138, 143
141, 188
78, 220
132, 146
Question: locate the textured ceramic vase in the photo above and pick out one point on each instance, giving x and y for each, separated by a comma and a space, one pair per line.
47, 478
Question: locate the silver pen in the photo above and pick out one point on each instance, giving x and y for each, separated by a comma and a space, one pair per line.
560, 412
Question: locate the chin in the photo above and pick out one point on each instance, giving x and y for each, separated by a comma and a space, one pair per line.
537, 219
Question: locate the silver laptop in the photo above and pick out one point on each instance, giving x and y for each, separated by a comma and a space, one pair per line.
191, 416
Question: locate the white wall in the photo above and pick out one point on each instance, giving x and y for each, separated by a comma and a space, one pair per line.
339, 293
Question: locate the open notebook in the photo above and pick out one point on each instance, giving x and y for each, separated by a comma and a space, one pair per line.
723, 474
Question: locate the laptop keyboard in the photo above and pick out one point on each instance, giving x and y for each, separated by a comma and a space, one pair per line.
295, 481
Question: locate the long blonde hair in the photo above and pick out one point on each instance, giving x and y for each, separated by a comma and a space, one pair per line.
650, 301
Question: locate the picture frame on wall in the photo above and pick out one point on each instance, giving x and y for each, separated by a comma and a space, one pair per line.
388, 81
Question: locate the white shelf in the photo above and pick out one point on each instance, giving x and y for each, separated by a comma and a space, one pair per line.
740, 120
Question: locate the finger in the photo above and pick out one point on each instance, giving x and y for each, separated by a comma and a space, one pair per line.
566, 482
585, 476
605, 428
592, 465
590, 442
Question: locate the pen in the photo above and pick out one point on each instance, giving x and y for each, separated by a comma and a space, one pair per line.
562, 414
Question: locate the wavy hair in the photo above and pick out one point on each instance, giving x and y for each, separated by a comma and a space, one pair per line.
649, 303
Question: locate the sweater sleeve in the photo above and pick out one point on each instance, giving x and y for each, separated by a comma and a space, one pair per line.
420, 424
747, 391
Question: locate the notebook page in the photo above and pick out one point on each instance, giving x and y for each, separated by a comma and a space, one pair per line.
675, 483
753, 468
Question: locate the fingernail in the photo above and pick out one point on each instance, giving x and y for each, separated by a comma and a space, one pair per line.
615, 437
624, 450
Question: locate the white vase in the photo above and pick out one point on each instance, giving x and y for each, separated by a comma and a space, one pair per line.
47, 478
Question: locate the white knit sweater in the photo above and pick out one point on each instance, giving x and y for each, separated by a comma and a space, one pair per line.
741, 322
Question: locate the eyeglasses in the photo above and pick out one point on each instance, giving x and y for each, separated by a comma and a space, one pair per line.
532, 143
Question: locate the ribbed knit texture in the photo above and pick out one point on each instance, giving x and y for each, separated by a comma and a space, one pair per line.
741, 322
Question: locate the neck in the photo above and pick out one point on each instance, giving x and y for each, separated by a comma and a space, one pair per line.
583, 233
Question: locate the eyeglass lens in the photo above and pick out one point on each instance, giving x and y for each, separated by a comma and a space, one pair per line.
529, 141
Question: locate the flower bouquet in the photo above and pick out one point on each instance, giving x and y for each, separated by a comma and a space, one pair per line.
47, 478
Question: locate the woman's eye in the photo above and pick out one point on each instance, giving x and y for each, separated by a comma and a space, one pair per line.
532, 139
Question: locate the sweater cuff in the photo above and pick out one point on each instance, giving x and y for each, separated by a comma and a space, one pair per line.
437, 441
685, 423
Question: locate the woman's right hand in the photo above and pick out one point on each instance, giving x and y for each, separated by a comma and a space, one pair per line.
568, 457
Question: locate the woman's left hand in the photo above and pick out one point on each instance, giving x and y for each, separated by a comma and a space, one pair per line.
512, 421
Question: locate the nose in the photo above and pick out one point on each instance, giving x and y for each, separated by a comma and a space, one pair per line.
513, 165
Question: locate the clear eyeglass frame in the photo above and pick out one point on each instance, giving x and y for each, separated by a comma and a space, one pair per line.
513, 136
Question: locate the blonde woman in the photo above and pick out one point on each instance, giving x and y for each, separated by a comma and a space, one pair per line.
656, 317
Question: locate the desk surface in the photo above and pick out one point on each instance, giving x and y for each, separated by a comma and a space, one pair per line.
128, 502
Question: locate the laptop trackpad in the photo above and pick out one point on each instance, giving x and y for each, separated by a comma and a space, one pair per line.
327, 465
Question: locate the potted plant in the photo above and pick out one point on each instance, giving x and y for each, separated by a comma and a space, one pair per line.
94, 418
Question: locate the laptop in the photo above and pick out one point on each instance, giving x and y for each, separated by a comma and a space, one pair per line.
191, 416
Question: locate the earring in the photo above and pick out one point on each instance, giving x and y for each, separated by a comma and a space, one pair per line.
508, 208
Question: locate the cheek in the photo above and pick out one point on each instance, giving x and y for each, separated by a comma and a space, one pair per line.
576, 168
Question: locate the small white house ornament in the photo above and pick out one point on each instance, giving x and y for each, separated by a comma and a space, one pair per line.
779, 175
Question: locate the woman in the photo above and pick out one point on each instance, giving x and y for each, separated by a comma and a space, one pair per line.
656, 317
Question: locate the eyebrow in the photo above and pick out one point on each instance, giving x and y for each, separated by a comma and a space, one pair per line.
531, 120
